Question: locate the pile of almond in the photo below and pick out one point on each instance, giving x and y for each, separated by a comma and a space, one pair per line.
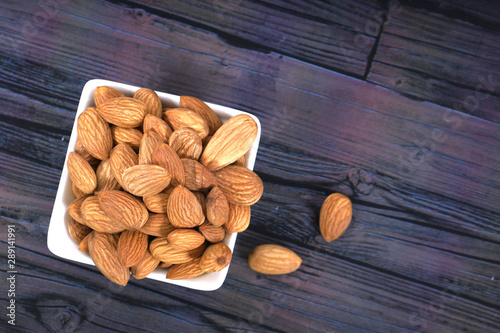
159, 187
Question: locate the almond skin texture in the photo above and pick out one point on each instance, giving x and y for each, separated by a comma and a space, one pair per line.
185, 271
273, 259
231, 141
215, 258
181, 118
157, 203
130, 136
167, 158
105, 179
197, 176
217, 207
186, 143
185, 239
77, 231
152, 101
105, 93
76, 191
74, 209
240, 185
84, 244
122, 157
145, 180
335, 216
123, 208
149, 141
163, 251
157, 225
239, 218
94, 133
212, 233
97, 219
81, 173
123, 111
158, 125
131, 247
145, 266
80, 150
183, 209
203, 110
103, 251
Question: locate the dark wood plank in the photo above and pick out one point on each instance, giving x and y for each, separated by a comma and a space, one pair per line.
440, 59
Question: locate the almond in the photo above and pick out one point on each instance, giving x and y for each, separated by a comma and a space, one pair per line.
217, 207
157, 225
122, 157
163, 251
335, 216
197, 176
77, 231
80, 150
167, 158
147, 146
212, 233
240, 185
186, 143
152, 101
185, 271
94, 133
123, 208
215, 258
163, 264
105, 179
231, 141
241, 161
105, 93
239, 218
183, 209
130, 136
185, 239
77, 192
203, 110
97, 219
81, 173
103, 251
273, 259
123, 111
84, 244
181, 118
145, 266
131, 247
158, 125
145, 180
157, 203
74, 209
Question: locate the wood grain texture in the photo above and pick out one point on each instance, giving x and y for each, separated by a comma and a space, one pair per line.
423, 173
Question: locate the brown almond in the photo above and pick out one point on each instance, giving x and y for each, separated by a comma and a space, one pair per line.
84, 244
94, 133
215, 258
80, 150
335, 216
185, 271
212, 233
132, 246
81, 173
74, 209
105, 179
186, 143
239, 218
129, 136
123, 112
217, 207
163, 264
147, 146
273, 259
163, 251
231, 141
158, 125
97, 219
145, 179
182, 117
241, 161
167, 158
77, 231
196, 176
122, 157
123, 208
157, 203
105, 93
203, 110
145, 266
185, 239
76, 191
157, 225
104, 252
183, 209
152, 101
240, 185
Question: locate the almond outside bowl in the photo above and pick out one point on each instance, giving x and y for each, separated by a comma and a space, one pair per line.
58, 240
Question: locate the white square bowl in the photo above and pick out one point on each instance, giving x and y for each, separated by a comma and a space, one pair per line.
61, 244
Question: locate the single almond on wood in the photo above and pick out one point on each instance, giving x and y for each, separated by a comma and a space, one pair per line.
123, 111
185, 239
105, 93
163, 251
167, 158
203, 110
196, 176
103, 249
129, 136
145, 266
123, 208
187, 270
239, 218
145, 179
97, 219
273, 259
215, 258
335, 216
186, 143
181, 118
183, 209
81, 173
152, 101
217, 207
231, 141
157, 225
212, 233
240, 185
158, 125
131, 247
94, 133
122, 157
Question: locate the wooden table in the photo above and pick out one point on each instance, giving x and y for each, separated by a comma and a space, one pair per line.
395, 104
